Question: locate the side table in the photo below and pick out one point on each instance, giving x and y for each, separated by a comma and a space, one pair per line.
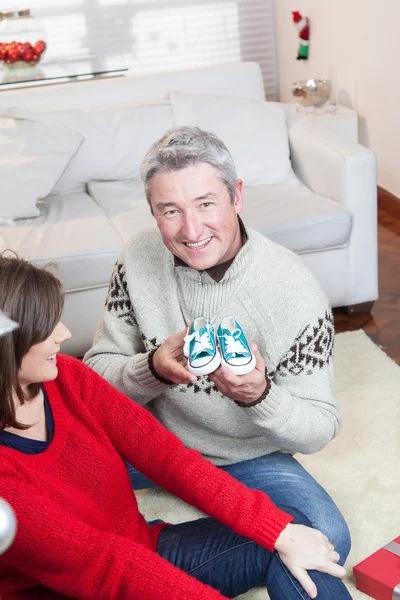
59, 71
343, 121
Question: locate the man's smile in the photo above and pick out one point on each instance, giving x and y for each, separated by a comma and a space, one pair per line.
198, 245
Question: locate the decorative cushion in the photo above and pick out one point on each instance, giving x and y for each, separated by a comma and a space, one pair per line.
254, 132
115, 142
124, 204
33, 154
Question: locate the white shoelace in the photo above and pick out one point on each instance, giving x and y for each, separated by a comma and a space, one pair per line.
234, 346
201, 342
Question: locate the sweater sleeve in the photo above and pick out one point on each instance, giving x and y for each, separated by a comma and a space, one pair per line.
83, 562
118, 352
161, 456
300, 412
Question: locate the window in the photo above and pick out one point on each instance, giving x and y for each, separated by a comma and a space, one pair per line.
159, 35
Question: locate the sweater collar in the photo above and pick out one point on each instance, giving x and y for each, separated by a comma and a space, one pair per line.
61, 420
217, 272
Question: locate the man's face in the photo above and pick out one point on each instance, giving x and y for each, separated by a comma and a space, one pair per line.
197, 220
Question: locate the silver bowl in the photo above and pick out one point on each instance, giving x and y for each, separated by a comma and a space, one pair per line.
312, 92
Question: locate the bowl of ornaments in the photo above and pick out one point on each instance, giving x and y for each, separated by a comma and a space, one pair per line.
22, 39
21, 54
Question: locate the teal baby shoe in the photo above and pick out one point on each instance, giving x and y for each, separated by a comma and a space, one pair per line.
235, 351
200, 348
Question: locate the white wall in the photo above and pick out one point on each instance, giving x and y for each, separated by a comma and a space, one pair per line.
356, 44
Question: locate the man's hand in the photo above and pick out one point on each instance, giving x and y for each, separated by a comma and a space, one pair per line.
169, 361
243, 388
303, 548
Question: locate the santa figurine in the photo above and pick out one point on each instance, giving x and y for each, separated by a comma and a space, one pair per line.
303, 27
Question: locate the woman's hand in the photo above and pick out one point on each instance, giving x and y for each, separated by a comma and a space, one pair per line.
303, 548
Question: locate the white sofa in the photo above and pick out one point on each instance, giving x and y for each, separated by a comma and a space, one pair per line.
94, 200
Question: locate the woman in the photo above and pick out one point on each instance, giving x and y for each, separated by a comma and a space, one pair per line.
65, 434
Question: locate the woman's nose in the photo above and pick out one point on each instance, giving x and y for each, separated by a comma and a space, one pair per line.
62, 334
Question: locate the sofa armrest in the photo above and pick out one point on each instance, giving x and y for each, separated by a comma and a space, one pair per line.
335, 167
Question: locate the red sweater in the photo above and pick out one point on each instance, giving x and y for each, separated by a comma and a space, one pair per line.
80, 533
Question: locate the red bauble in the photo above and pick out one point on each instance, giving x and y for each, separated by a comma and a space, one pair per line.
28, 56
39, 47
12, 55
21, 51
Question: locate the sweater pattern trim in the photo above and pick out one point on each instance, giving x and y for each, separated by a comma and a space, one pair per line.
118, 300
312, 349
203, 384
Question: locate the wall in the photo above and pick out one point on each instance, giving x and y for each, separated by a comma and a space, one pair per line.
356, 44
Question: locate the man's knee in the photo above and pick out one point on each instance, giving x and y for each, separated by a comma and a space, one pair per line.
335, 529
337, 532
339, 535
299, 517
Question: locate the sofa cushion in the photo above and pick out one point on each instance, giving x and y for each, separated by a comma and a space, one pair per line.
296, 218
125, 205
73, 232
33, 154
115, 141
254, 132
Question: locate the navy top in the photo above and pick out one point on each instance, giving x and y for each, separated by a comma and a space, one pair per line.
26, 445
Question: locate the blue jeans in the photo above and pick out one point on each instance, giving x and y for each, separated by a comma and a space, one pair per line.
286, 482
215, 555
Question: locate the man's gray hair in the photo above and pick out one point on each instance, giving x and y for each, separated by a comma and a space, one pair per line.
184, 147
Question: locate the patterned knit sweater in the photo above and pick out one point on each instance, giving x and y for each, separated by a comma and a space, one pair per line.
79, 531
280, 306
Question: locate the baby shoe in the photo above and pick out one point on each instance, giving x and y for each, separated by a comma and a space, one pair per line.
200, 348
235, 351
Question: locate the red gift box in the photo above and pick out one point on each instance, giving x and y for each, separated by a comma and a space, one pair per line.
379, 574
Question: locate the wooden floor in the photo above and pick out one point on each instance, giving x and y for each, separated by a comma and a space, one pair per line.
383, 324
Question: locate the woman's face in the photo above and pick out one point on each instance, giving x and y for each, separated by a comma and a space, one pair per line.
40, 362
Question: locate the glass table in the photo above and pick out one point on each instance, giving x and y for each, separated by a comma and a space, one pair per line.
57, 71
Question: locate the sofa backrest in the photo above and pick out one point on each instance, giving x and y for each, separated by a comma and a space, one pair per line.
234, 79
119, 118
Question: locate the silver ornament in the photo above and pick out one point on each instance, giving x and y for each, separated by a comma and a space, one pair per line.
8, 525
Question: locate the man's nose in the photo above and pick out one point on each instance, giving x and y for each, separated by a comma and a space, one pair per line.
192, 228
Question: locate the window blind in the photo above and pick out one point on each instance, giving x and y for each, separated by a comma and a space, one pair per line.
160, 35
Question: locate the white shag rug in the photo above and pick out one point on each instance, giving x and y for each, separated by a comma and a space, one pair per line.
359, 468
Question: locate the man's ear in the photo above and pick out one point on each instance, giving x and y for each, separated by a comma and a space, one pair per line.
238, 202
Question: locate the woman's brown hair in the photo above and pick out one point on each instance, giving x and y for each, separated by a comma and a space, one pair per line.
33, 297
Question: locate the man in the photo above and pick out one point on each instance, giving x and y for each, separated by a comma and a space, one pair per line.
203, 261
